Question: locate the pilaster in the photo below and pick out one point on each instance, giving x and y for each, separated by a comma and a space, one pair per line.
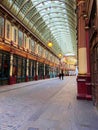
36, 73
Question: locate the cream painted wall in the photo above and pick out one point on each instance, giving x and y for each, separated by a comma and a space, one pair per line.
82, 61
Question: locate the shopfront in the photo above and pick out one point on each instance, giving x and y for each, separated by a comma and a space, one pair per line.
19, 68
4, 67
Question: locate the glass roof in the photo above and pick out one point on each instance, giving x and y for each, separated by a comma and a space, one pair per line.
53, 20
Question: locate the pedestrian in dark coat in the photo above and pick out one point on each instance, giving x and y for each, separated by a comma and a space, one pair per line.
59, 75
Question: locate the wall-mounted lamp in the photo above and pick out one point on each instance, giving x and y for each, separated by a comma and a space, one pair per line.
50, 44
60, 55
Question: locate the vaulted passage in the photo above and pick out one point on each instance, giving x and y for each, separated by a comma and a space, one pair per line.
41, 41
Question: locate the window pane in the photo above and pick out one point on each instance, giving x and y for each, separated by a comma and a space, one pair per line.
15, 35
20, 38
29, 43
25, 40
6, 61
32, 45
8, 31
1, 26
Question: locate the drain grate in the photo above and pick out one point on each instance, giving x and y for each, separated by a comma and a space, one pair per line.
85, 125
30, 128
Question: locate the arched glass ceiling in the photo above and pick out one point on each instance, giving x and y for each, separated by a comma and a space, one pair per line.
53, 20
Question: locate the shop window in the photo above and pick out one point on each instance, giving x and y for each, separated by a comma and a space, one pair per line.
4, 64
31, 68
23, 67
8, 31
1, 26
14, 73
19, 71
46, 70
20, 38
4, 67
41, 70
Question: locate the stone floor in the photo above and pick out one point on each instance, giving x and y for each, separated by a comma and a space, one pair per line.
46, 105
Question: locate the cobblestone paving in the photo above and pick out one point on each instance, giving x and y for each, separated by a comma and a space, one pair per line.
46, 105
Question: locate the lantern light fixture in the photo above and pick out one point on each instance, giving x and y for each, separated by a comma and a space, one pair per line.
50, 44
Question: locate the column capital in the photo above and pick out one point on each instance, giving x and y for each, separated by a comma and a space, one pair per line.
86, 23
79, 2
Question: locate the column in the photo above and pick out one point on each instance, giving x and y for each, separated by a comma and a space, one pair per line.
36, 73
82, 58
82, 52
44, 71
11, 64
12, 78
34, 68
31, 70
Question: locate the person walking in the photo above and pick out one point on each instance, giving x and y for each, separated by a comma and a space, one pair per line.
62, 75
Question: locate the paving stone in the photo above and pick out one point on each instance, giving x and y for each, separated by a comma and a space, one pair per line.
46, 105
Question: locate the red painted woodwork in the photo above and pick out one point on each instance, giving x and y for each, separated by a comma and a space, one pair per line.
36, 77
81, 87
12, 80
88, 88
84, 88
27, 79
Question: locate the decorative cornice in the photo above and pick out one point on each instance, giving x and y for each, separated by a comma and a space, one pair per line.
86, 27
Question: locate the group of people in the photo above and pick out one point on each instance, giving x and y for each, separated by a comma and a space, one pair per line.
61, 76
